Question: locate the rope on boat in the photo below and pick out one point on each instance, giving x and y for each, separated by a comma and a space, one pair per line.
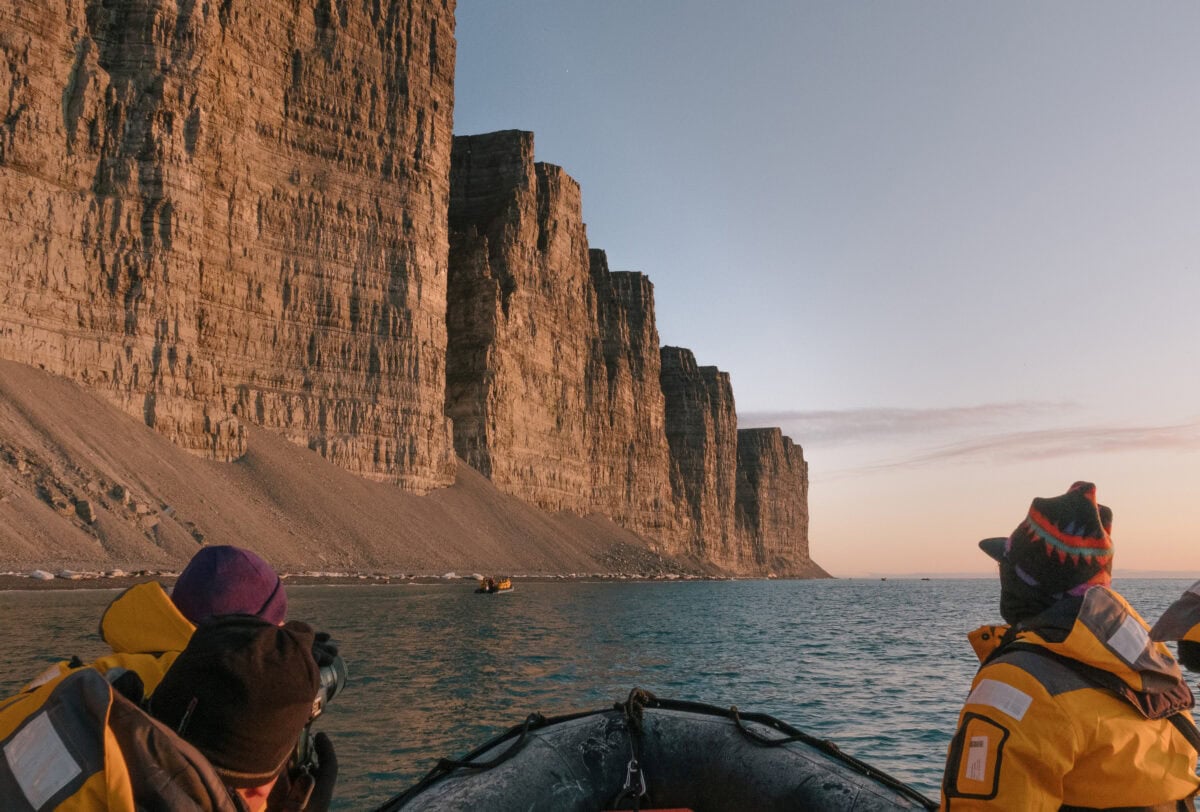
446, 766
635, 780
641, 699
532, 721
633, 706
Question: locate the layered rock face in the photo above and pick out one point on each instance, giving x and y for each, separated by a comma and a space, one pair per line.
772, 504
702, 432
223, 211
626, 408
560, 394
552, 367
521, 319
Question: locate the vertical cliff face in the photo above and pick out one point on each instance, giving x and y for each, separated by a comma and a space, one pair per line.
96, 147
559, 392
553, 368
701, 424
626, 407
236, 209
521, 320
772, 503
227, 211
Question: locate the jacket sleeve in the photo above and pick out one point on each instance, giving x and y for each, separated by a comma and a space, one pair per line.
1012, 747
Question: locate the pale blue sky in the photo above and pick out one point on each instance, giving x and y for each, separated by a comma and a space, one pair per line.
952, 248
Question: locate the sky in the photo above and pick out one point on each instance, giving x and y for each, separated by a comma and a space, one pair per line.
952, 249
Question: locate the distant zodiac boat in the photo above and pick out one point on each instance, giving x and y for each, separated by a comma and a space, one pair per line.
492, 585
649, 753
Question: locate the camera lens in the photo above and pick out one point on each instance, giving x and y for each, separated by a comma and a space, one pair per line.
333, 680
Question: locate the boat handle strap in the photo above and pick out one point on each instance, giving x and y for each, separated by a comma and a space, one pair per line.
532, 720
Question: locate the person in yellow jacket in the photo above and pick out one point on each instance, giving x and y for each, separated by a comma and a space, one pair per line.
1074, 706
219, 731
147, 628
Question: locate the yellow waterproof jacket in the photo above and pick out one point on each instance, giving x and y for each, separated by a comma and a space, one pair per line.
1072, 713
145, 631
75, 745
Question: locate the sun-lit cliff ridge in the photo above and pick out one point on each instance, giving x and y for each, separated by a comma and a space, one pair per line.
225, 215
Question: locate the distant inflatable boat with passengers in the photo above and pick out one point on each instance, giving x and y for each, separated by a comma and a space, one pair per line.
648, 753
491, 586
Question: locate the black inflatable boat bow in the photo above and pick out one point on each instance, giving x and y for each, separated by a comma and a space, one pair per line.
635, 785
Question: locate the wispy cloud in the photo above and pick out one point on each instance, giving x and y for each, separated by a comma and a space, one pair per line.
1048, 443
831, 427
994, 433
1044, 444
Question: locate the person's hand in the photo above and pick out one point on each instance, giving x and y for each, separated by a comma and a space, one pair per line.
324, 649
309, 788
324, 776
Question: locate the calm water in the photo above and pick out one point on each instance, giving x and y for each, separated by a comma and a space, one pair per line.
880, 667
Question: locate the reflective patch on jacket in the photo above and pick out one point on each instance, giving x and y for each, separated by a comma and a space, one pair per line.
75, 745
1004, 698
1096, 732
54, 744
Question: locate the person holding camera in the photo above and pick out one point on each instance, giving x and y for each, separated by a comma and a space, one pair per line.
217, 735
148, 630
243, 693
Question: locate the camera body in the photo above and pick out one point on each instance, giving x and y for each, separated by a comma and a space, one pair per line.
333, 679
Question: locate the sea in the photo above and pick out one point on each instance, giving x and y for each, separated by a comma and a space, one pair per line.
879, 667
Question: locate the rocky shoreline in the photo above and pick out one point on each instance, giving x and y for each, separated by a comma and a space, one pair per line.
38, 580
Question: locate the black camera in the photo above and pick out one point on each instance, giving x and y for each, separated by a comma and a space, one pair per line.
333, 679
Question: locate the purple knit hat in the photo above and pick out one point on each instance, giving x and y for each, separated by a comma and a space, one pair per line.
226, 580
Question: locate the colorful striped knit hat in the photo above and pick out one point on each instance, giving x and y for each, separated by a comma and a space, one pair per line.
1064, 543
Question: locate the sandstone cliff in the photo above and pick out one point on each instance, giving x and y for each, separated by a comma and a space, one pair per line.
222, 211
221, 215
627, 408
702, 432
84, 487
521, 319
553, 369
772, 504
560, 394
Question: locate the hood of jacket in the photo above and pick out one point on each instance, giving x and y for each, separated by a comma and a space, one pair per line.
144, 620
1100, 630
